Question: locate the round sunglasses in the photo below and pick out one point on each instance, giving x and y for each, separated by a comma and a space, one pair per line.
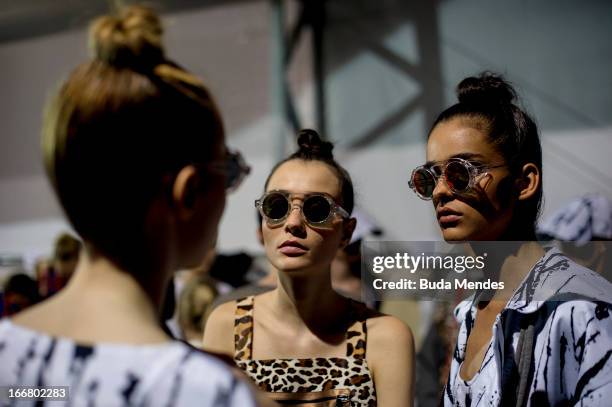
460, 175
234, 167
317, 208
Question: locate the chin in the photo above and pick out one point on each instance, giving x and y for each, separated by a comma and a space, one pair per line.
292, 265
457, 234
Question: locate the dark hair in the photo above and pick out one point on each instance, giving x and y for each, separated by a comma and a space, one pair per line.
24, 285
312, 148
120, 126
489, 103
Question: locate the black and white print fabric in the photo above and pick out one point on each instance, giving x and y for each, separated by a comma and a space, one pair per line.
581, 220
565, 309
170, 374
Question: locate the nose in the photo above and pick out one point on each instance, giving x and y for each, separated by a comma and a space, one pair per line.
441, 191
295, 220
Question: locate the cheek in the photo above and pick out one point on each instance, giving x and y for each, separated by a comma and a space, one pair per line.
271, 238
268, 233
503, 194
480, 224
325, 245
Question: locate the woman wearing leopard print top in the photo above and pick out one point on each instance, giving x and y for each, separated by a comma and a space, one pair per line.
303, 336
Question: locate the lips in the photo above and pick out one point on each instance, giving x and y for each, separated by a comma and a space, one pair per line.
447, 216
292, 248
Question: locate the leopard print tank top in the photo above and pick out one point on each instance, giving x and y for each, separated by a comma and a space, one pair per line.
306, 375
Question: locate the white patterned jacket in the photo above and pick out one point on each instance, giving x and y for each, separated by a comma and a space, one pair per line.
551, 345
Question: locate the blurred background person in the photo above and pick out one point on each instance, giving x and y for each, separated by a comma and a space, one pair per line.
54, 273
194, 305
20, 292
261, 272
66, 257
583, 230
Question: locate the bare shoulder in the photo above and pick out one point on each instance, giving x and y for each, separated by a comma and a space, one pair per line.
219, 330
223, 311
388, 332
390, 355
390, 345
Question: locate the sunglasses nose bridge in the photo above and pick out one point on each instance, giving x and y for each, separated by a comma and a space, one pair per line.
441, 185
293, 207
294, 219
438, 174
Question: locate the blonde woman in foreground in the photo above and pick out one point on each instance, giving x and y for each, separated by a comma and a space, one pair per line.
134, 148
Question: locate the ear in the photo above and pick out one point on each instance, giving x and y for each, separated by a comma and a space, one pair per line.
185, 191
528, 182
348, 227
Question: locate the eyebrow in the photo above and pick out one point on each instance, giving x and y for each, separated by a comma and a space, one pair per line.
285, 191
465, 156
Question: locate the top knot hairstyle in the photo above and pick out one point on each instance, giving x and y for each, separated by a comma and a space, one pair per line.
487, 89
120, 124
490, 104
132, 39
312, 148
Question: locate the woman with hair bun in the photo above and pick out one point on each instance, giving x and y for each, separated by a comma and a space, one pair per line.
134, 148
545, 338
303, 341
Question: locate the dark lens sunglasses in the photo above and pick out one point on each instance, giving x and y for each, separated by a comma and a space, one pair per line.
234, 167
460, 175
317, 208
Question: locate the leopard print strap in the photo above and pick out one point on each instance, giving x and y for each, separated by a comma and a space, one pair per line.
243, 329
356, 336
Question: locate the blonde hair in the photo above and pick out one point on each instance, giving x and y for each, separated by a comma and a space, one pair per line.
66, 247
194, 303
119, 125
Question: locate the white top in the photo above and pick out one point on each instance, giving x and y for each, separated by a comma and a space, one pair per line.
476, 391
105, 374
570, 361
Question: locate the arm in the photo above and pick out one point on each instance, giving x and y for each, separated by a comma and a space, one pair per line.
390, 355
219, 330
219, 338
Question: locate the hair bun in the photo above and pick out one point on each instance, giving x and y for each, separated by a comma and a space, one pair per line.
310, 144
486, 88
130, 39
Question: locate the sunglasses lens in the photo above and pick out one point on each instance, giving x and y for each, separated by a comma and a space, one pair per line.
316, 209
233, 174
237, 170
457, 176
275, 206
424, 183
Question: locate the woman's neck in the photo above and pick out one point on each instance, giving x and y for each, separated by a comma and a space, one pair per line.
101, 279
510, 263
102, 303
307, 298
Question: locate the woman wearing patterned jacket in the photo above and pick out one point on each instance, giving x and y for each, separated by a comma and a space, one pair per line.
546, 338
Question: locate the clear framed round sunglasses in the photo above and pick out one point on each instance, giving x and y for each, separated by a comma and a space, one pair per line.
460, 175
317, 208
